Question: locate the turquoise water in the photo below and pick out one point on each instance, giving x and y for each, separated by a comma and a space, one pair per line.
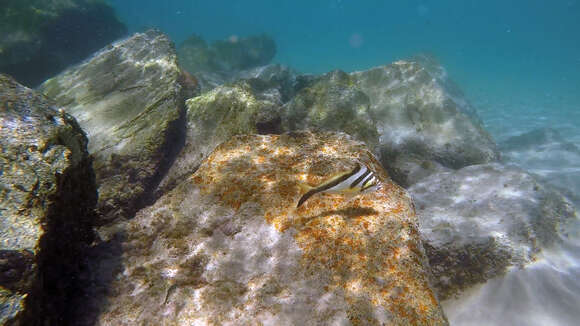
509, 55
517, 61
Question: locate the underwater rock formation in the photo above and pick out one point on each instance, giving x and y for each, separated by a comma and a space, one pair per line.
548, 155
415, 114
478, 221
227, 60
408, 169
47, 195
228, 246
38, 38
215, 117
233, 54
332, 103
129, 101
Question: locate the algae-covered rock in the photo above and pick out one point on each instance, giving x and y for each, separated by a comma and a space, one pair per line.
47, 193
233, 54
228, 246
128, 99
416, 114
227, 61
216, 116
38, 38
333, 103
480, 220
408, 169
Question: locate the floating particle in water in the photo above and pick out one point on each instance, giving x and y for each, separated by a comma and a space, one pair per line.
356, 40
233, 39
422, 10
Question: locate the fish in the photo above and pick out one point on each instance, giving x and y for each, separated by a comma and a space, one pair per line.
356, 181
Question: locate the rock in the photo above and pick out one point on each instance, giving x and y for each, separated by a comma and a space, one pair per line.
233, 54
234, 59
244, 53
47, 194
430, 63
478, 221
39, 38
539, 140
213, 118
408, 169
333, 103
228, 246
129, 101
275, 79
548, 155
415, 114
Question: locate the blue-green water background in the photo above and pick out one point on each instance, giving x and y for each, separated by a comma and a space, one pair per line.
518, 57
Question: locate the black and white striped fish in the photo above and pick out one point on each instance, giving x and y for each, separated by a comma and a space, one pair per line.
359, 180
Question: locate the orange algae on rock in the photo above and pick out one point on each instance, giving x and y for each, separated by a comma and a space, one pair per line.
368, 245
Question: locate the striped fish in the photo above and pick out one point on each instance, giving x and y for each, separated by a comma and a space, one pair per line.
360, 179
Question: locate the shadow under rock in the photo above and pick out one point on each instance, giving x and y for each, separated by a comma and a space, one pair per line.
102, 264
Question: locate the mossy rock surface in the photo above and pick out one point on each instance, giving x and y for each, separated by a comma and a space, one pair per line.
47, 195
129, 101
332, 103
416, 113
229, 246
216, 116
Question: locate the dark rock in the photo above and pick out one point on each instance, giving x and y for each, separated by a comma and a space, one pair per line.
129, 99
39, 38
406, 169
47, 197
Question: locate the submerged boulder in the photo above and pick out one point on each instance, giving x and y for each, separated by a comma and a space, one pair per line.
416, 114
478, 221
233, 54
215, 117
549, 155
128, 98
47, 194
228, 245
38, 38
228, 60
332, 103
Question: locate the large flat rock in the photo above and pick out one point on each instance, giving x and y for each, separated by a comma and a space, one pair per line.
228, 246
479, 221
127, 98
